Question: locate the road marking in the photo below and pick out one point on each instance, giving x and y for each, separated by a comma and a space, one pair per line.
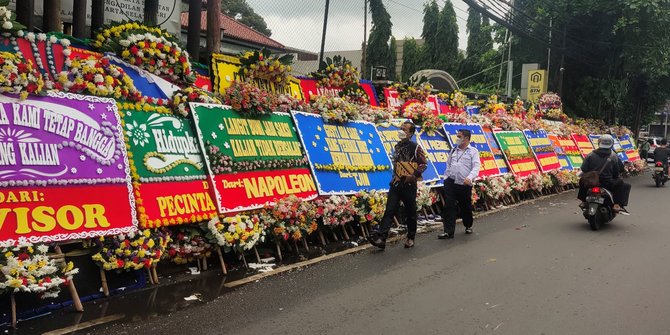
87, 324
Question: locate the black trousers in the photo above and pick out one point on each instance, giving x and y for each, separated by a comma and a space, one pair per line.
406, 194
620, 191
457, 198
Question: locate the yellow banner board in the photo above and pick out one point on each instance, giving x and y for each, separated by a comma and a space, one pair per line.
225, 70
537, 84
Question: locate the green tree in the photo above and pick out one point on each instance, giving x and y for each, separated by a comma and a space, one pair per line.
447, 36
378, 53
242, 12
411, 58
431, 46
474, 29
393, 59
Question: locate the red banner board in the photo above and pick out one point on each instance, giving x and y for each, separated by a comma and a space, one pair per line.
633, 155
392, 98
309, 87
247, 190
170, 203
523, 167
583, 143
60, 213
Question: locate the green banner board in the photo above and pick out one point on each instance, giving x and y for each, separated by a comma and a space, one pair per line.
236, 143
163, 147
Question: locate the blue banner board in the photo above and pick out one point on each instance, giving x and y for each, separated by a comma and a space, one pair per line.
389, 136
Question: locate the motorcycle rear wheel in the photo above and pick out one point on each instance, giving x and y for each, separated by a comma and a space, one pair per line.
594, 223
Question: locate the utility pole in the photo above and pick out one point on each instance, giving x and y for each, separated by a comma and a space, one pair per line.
24, 13
97, 15
562, 69
79, 18
551, 21
510, 63
194, 28
365, 35
52, 16
213, 27
323, 36
151, 12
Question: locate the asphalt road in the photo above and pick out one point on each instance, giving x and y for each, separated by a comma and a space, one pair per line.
534, 269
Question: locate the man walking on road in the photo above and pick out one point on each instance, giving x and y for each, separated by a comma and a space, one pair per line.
409, 162
462, 168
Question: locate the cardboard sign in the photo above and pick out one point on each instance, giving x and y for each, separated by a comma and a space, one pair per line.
437, 149
567, 151
63, 169
495, 149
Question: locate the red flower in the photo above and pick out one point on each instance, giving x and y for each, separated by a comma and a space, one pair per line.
134, 50
22, 67
119, 263
147, 263
23, 256
159, 46
158, 254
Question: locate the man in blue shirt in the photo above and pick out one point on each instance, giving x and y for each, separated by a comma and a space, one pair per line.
462, 169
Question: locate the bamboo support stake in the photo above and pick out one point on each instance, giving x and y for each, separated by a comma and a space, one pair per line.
351, 229
322, 238
258, 257
279, 251
304, 242
334, 236
244, 259
344, 230
395, 220
223, 264
13, 311
363, 231
76, 302
103, 278
204, 262
151, 277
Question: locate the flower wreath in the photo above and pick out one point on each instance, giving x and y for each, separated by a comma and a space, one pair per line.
132, 251
19, 76
336, 72
370, 206
97, 77
150, 48
240, 232
181, 98
262, 65
26, 267
187, 244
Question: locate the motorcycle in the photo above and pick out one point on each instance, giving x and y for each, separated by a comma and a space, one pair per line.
660, 174
599, 208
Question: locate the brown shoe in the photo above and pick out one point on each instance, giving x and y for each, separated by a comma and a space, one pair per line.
409, 243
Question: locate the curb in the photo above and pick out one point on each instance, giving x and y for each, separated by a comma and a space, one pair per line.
428, 229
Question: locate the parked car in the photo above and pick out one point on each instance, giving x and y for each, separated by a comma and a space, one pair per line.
653, 143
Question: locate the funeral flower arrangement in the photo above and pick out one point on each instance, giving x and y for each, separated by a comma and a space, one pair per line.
187, 244
26, 267
181, 98
8, 18
369, 205
336, 72
375, 114
132, 251
262, 65
238, 232
19, 76
355, 94
418, 91
335, 210
150, 48
290, 218
424, 197
248, 99
97, 77
335, 109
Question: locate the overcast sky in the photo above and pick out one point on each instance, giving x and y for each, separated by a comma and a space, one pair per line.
299, 23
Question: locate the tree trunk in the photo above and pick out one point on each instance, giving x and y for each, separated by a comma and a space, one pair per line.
213, 27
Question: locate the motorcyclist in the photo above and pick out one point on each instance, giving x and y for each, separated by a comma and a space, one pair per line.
662, 153
609, 177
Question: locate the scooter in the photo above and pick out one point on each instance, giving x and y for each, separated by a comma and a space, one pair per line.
660, 174
599, 208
